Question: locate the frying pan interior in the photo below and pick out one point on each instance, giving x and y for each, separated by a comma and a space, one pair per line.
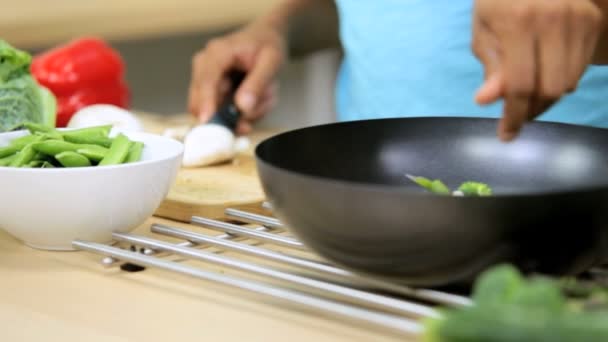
546, 158
342, 189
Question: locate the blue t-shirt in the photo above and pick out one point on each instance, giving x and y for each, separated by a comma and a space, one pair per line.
413, 58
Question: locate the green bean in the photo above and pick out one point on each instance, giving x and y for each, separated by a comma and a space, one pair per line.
118, 151
24, 140
47, 165
5, 161
54, 147
24, 156
35, 128
50, 135
72, 159
48, 147
135, 152
96, 131
90, 140
36, 163
93, 152
8, 150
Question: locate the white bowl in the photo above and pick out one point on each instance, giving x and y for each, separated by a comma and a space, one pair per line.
49, 208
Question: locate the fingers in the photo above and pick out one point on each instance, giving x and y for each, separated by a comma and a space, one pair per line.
544, 47
491, 90
208, 83
217, 60
553, 47
258, 80
516, 109
265, 105
519, 68
576, 52
485, 48
593, 32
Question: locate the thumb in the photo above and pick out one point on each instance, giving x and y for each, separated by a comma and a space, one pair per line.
258, 80
491, 89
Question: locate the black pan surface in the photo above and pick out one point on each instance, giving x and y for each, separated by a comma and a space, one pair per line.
341, 188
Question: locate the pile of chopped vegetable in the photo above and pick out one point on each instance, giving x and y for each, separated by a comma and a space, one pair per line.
22, 98
46, 147
465, 189
508, 307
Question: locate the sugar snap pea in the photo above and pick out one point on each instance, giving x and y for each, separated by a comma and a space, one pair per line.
24, 140
96, 131
72, 159
54, 147
135, 152
8, 150
118, 151
91, 140
48, 147
36, 163
93, 152
35, 128
24, 156
5, 161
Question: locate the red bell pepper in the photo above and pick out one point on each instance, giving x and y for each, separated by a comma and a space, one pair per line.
80, 73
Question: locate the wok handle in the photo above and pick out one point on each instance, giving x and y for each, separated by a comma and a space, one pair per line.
228, 113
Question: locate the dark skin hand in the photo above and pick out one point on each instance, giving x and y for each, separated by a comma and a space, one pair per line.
259, 50
534, 52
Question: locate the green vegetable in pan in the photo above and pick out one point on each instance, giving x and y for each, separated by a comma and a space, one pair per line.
46, 147
465, 189
508, 307
475, 189
435, 186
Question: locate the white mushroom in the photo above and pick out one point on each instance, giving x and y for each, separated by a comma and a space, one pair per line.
208, 144
177, 133
105, 114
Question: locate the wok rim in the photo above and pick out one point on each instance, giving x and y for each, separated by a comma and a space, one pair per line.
404, 191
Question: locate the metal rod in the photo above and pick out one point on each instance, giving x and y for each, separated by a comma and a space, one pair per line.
396, 324
250, 233
109, 261
334, 273
250, 250
254, 218
317, 287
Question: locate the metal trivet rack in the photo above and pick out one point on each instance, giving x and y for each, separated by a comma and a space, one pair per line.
260, 246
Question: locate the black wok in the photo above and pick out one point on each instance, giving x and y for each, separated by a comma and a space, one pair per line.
342, 190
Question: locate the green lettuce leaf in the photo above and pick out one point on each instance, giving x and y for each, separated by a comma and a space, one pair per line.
22, 99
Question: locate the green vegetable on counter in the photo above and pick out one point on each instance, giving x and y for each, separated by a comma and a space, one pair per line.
46, 147
508, 307
465, 189
22, 99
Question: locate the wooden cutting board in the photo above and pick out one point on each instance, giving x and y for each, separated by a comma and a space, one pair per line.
208, 191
